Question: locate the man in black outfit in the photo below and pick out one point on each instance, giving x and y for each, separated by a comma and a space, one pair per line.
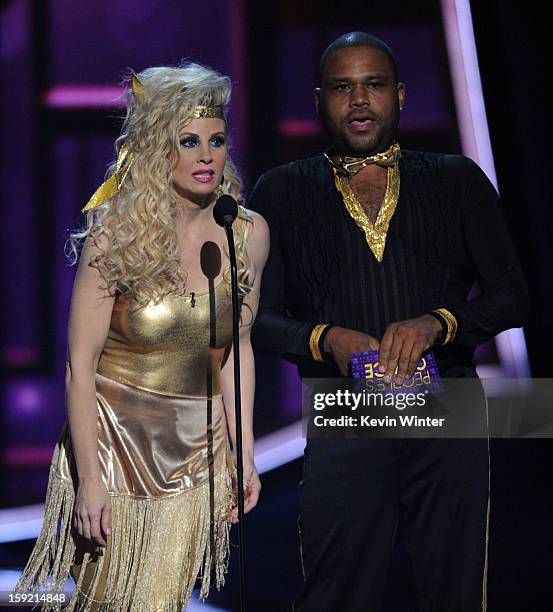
377, 248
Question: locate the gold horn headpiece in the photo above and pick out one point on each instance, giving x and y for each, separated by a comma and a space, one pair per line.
136, 86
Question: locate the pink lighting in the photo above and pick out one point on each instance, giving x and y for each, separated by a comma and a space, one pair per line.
299, 127
27, 456
21, 356
85, 97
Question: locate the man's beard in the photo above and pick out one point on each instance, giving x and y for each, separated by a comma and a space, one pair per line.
356, 147
365, 147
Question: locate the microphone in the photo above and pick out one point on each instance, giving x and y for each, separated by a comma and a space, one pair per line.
225, 210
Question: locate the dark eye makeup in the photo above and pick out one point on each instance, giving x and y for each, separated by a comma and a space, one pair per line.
190, 141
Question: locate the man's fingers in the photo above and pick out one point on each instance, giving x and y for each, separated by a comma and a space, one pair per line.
374, 345
416, 354
365, 343
385, 348
393, 358
344, 368
404, 362
404, 358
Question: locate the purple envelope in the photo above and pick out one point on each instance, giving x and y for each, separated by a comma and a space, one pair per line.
364, 366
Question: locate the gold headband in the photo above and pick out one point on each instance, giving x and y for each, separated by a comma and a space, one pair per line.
208, 112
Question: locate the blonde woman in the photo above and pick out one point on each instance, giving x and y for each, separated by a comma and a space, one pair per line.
139, 500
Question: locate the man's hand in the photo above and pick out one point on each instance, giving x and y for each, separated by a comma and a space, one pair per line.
403, 344
341, 343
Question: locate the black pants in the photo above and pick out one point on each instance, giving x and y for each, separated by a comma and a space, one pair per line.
353, 493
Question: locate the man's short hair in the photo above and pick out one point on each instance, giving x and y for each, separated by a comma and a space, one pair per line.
359, 39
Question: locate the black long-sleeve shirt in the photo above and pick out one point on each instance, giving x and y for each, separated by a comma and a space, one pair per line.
447, 231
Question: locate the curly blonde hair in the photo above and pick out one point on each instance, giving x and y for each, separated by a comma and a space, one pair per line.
141, 259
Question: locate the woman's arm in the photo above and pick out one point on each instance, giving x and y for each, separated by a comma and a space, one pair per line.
89, 319
258, 249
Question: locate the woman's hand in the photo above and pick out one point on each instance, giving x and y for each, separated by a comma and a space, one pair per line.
92, 514
252, 487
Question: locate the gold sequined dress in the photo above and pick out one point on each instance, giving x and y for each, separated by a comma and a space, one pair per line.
164, 457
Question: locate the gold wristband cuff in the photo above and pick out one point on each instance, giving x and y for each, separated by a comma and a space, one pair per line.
451, 323
314, 341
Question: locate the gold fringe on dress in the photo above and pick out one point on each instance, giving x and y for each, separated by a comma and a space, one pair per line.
158, 547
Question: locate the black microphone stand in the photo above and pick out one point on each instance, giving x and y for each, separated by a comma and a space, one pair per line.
237, 409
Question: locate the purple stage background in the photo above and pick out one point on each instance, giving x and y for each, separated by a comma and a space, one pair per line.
60, 65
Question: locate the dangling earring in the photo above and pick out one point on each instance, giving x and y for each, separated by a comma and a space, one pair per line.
219, 191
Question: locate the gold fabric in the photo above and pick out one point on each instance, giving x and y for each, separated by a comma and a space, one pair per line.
157, 549
164, 457
112, 185
152, 445
172, 348
375, 233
